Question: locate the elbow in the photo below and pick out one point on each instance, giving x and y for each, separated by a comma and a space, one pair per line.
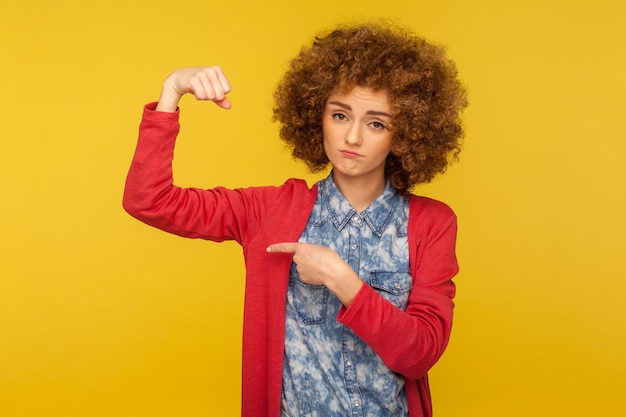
130, 205
417, 368
139, 198
139, 210
134, 203
421, 354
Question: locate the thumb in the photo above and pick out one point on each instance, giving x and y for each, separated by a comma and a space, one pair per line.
224, 103
283, 247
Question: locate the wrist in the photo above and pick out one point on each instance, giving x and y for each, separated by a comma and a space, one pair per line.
170, 96
345, 285
168, 101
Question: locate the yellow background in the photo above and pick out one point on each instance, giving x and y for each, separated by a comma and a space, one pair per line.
101, 315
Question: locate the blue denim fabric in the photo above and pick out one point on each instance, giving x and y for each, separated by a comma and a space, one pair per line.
328, 371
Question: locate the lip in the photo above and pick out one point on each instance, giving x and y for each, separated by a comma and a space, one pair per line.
350, 154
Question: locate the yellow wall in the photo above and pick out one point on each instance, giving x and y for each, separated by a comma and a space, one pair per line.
103, 316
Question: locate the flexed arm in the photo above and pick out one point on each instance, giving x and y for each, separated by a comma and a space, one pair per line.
150, 194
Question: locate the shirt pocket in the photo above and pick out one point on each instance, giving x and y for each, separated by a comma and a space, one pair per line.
393, 286
310, 301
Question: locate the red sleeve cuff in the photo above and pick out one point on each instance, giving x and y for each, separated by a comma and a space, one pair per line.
149, 110
348, 314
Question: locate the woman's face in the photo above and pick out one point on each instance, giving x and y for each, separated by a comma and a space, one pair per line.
356, 138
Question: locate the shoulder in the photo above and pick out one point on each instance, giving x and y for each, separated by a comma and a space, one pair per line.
292, 193
429, 217
293, 188
298, 186
433, 226
420, 206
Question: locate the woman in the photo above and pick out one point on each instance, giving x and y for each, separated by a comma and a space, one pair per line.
349, 283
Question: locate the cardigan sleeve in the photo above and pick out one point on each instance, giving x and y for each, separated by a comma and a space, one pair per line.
149, 195
411, 341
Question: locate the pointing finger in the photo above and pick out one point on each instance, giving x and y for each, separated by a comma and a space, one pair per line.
284, 247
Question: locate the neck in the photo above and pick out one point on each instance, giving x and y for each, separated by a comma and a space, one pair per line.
360, 192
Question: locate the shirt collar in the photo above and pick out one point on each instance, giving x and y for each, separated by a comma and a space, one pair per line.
377, 215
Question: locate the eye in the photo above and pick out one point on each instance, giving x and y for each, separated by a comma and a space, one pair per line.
339, 116
378, 125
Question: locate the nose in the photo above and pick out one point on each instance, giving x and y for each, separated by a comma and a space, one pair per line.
354, 135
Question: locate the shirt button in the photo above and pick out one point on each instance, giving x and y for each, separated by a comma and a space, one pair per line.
357, 403
397, 286
349, 363
353, 246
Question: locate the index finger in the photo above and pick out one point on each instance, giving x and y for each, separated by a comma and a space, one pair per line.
283, 247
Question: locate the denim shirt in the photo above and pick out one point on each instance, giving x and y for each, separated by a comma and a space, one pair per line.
329, 371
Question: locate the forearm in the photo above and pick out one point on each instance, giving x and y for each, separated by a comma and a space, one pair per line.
409, 342
150, 172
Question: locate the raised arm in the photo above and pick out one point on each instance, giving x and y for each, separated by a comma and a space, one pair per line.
150, 194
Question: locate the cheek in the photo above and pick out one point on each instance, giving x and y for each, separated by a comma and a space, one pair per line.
329, 137
324, 136
325, 145
384, 148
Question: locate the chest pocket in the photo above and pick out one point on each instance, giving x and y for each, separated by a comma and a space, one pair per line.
393, 286
309, 301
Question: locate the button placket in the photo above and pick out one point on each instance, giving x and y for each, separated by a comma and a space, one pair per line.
354, 242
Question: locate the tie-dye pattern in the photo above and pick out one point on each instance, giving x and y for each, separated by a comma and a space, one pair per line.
328, 371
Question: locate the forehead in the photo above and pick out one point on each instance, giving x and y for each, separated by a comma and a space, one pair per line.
360, 95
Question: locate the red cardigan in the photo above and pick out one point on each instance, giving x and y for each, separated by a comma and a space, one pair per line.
409, 342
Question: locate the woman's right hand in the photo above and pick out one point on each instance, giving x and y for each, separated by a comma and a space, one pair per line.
205, 83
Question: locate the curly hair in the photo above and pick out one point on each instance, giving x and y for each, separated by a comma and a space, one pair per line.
424, 91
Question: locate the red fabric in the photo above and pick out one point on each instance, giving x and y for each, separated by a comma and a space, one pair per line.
409, 342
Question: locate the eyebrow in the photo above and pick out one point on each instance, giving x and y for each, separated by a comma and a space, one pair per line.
370, 112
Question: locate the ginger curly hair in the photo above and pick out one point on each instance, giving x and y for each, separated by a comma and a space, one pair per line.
424, 91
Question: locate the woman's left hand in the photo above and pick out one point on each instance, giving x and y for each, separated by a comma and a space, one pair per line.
319, 265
